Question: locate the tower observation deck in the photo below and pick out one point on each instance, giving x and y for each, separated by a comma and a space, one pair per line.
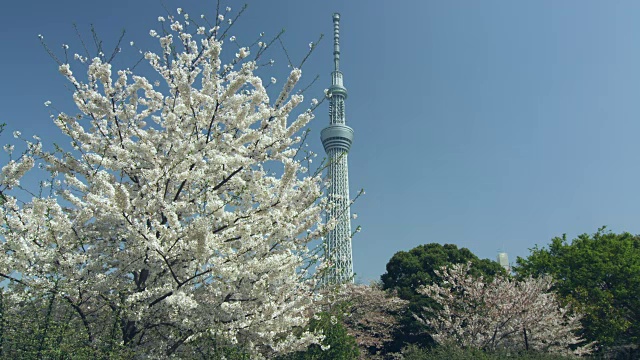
336, 139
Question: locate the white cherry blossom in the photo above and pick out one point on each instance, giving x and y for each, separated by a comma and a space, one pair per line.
166, 218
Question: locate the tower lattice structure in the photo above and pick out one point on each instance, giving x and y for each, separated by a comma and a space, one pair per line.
336, 139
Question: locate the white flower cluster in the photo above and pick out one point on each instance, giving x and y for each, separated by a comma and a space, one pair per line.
243, 52
12, 172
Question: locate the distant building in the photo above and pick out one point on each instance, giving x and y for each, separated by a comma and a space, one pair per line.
503, 260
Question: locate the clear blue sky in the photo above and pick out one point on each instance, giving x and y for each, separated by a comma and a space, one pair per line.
487, 124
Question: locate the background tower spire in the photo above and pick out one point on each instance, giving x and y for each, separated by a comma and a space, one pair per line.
337, 139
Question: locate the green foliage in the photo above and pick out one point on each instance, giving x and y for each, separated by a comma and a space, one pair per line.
408, 270
452, 352
210, 348
342, 345
47, 328
599, 275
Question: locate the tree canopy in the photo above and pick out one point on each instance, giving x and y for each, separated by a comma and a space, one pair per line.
599, 275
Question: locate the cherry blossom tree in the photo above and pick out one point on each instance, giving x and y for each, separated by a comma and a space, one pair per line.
164, 224
371, 316
502, 314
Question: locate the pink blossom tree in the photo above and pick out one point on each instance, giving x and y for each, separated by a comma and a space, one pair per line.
371, 317
502, 314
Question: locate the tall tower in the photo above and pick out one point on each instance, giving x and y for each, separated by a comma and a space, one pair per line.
336, 139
